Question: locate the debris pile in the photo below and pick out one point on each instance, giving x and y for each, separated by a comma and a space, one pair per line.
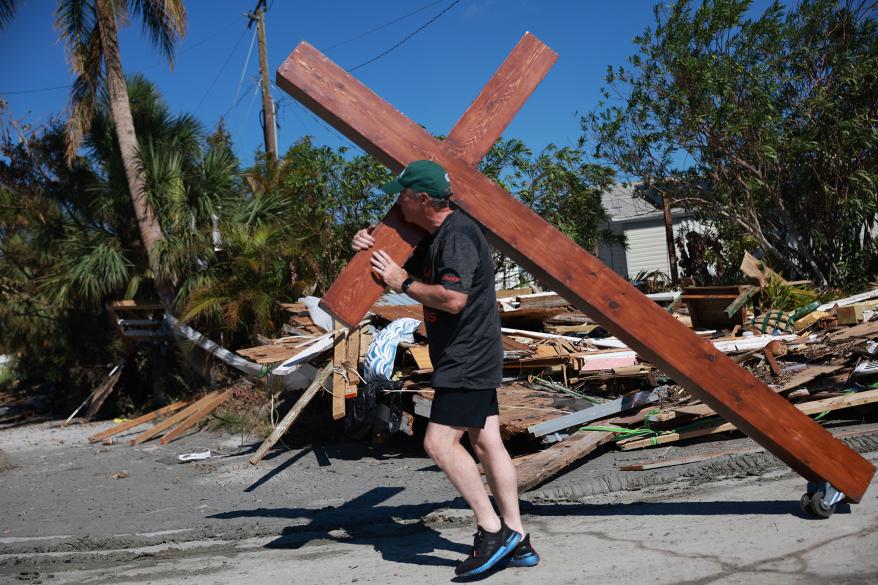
569, 387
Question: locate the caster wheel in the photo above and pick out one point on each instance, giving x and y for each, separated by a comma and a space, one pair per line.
805, 504
818, 508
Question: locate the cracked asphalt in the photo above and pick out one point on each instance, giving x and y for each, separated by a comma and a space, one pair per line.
350, 514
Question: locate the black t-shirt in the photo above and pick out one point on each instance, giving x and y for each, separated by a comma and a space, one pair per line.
466, 349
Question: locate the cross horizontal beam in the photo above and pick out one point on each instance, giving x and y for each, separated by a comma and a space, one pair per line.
579, 277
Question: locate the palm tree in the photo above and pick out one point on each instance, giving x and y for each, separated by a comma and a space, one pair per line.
89, 29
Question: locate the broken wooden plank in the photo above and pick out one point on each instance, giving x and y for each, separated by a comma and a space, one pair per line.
136, 422
582, 417
292, 415
808, 408
171, 421
103, 392
808, 374
549, 462
352, 362
594, 288
196, 417
864, 330
339, 383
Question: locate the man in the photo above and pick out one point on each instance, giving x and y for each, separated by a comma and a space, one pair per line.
452, 275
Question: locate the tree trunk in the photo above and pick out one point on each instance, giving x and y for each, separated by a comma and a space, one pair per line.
147, 221
669, 237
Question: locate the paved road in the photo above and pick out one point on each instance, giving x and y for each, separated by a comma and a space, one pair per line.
746, 531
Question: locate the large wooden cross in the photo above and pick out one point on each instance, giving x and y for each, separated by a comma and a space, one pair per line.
550, 256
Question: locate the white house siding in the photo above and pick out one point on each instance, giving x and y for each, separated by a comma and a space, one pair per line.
646, 248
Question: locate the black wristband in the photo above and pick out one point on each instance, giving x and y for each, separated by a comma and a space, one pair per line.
406, 284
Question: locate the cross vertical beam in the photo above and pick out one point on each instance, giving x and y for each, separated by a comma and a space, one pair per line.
579, 277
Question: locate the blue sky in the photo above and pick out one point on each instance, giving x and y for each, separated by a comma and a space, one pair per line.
432, 78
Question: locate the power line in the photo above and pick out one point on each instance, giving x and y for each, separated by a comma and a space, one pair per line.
419, 29
24, 91
223, 68
383, 26
182, 52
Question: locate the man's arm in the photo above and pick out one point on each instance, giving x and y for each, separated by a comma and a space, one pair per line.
434, 296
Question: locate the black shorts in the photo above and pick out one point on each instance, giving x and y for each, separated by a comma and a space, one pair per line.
462, 407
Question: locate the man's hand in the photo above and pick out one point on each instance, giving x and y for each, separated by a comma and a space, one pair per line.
363, 239
390, 272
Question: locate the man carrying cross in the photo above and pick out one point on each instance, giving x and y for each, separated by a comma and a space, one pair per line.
454, 280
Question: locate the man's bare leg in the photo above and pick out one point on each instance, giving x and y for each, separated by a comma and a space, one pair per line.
442, 443
488, 445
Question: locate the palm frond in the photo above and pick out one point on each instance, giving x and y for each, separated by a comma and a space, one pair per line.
164, 22
7, 11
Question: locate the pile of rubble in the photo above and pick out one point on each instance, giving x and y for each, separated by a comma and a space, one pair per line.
568, 387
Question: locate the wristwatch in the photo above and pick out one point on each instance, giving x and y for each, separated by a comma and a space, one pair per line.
406, 284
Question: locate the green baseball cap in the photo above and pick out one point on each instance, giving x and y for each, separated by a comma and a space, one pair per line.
422, 176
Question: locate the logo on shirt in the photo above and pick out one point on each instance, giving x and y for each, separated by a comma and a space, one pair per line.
450, 278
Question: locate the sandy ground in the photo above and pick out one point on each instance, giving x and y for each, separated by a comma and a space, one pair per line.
352, 513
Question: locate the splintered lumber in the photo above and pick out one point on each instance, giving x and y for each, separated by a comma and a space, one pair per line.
192, 420
470, 139
548, 462
136, 422
808, 374
865, 330
559, 263
339, 383
171, 421
807, 408
293, 414
103, 391
352, 361
621, 404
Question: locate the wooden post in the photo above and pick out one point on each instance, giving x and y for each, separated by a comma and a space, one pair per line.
557, 261
352, 362
339, 384
292, 415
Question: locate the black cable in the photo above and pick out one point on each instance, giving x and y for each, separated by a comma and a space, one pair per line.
24, 91
383, 26
223, 68
422, 27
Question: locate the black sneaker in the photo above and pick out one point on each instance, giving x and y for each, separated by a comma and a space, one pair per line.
489, 548
524, 555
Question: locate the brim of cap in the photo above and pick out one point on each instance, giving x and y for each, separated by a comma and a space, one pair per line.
393, 187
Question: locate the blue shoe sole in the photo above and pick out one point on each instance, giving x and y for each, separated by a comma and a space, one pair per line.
530, 560
496, 557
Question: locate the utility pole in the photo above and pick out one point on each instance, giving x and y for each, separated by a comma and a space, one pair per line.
269, 129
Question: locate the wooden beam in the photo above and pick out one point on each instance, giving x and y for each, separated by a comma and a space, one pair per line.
171, 421
481, 125
352, 361
136, 422
292, 415
339, 384
576, 275
806, 408
192, 420
548, 462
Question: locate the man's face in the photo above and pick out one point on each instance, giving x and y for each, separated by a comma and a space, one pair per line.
410, 204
